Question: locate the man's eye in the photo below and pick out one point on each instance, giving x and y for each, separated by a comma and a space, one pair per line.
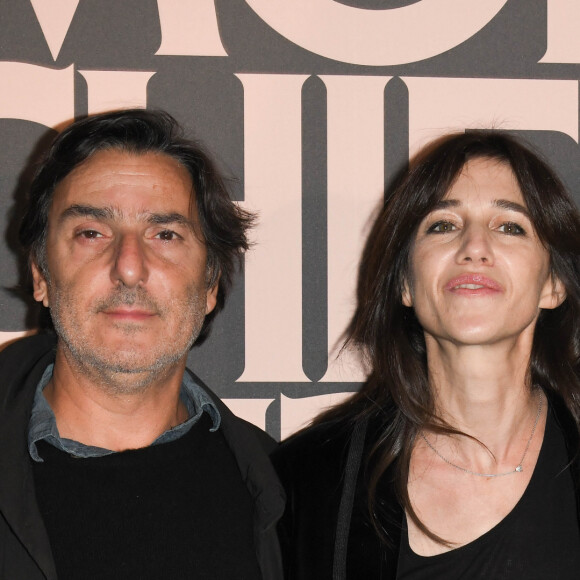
168, 235
512, 229
441, 227
90, 234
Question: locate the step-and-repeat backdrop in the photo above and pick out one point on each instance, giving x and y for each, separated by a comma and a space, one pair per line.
311, 107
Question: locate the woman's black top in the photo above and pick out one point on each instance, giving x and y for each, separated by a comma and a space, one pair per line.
538, 539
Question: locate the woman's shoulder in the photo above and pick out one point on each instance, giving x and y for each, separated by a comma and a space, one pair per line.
323, 443
311, 466
317, 469
329, 438
313, 461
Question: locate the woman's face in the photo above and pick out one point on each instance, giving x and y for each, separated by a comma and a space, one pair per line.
479, 273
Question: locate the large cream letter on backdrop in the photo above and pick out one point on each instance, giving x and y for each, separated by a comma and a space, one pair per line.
116, 89
457, 104
355, 187
252, 410
189, 28
563, 32
297, 413
377, 37
22, 85
273, 186
55, 18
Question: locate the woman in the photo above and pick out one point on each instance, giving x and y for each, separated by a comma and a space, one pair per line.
459, 456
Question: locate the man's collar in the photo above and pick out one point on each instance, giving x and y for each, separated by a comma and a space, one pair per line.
42, 425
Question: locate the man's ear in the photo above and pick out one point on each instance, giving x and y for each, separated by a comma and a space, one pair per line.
39, 285
211, 297
553, 293
406, 296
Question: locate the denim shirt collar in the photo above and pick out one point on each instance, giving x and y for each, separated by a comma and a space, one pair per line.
42, 425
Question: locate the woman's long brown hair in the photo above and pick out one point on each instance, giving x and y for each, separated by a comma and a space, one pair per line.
397, 397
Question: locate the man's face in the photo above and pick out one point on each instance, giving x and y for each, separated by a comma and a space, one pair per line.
126, 281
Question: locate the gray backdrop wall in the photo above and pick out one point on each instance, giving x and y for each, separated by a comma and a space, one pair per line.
311, 107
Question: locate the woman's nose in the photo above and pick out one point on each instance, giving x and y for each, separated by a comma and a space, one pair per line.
476, 245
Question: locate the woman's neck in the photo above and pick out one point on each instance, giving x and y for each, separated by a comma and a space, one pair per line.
483, 391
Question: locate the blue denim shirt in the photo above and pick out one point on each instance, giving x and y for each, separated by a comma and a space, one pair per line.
42, 424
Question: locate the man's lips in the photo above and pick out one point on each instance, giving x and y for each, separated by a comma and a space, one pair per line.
473, 284
128, 313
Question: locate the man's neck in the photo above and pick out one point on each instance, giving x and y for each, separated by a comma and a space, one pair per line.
93, 412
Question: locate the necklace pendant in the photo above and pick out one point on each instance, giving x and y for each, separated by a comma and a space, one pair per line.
519, 468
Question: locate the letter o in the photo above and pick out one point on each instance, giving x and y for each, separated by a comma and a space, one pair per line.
377, 37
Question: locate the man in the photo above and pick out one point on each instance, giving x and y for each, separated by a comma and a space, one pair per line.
115, 461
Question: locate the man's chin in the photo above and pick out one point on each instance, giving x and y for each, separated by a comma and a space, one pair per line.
128, 363
122, 361
127, 377
114, 360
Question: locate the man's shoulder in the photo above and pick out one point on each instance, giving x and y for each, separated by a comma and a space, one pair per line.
236, 429
269, 444
18, 358
251, 447
33, 346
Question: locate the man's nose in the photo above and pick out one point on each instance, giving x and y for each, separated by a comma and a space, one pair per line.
129, 262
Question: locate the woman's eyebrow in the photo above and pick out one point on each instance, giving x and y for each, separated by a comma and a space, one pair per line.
501, 203
445, 203
511, 206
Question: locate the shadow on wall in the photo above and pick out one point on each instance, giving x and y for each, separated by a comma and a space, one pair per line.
18, 289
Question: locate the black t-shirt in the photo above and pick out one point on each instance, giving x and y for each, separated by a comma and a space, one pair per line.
177, 510
538, 540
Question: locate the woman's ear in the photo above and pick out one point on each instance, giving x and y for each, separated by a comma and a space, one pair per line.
406, 296
553, 293
39, 285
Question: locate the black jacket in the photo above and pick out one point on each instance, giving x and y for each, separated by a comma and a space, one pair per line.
25, 552
326, 532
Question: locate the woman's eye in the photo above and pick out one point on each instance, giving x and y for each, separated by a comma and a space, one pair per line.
441, 227
512, 229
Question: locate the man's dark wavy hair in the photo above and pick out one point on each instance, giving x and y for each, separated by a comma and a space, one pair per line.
224, 224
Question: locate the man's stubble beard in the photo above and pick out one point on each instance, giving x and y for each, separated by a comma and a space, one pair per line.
126, 372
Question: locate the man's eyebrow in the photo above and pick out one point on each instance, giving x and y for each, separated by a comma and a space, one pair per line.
108, 213
77, 210
164, 219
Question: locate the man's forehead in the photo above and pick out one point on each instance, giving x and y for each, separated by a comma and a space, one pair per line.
127, 184
107, 163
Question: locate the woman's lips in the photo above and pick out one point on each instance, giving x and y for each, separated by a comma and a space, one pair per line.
473, 284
